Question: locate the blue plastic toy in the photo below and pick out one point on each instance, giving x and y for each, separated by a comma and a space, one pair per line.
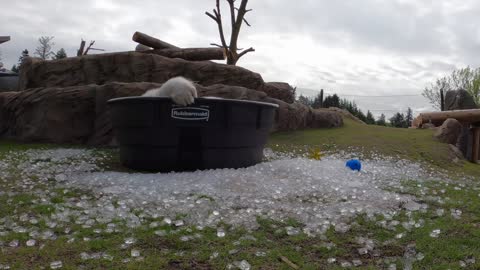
354, 164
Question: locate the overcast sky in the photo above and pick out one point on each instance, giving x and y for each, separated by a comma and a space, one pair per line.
348, 47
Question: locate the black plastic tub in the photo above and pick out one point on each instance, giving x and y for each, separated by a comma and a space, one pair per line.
155, 134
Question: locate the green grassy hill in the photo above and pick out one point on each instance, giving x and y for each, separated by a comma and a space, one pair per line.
412, 144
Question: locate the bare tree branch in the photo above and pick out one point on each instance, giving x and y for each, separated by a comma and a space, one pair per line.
211, 16
216, 45
245, 52
237, 19
89, 46
236, 27
218, 19
232, 11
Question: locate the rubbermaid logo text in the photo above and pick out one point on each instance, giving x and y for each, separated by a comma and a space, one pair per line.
190, 113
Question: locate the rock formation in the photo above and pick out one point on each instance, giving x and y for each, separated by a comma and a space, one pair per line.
80, 114
65, 100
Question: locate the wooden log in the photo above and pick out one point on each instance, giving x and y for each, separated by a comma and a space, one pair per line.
82, 47
476, 144
191, 54
437, 118
151, 41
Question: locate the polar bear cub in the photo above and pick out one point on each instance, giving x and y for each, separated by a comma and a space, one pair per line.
181, 90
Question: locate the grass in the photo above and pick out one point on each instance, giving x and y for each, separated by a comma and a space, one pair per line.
458, 241
412, 144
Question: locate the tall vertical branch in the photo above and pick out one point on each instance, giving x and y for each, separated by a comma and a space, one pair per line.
217, 17
236, 23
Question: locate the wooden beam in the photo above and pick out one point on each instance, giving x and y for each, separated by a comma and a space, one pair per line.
191, 54
151, 41
437, 118
4, 39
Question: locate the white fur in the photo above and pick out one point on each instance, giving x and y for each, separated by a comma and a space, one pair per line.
181, 90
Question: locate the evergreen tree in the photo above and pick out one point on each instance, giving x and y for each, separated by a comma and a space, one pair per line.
317, 101
360, 115
60, 54
381, 120
15, 69
408, 118
398, 120
331, 101
370, 119
305, 100
21, 58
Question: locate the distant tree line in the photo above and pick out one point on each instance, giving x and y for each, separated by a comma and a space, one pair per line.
44, 51
399, 120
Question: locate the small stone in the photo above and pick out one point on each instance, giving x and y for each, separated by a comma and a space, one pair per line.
243, 265
470, 260
331, 260
135, 253
220, 233
463, 264
107, 257
130, 240
392, 267
160, 232
214, 255
342, 228
292, 231
345, 264
56, 265
260, 254
185, 238
420, 256
435, 233
167, 221
14, 243
31, 243
179, 223
362, 251
456, 213
84, 256
357, 262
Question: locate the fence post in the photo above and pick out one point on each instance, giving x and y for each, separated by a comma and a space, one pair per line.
442, 100
321, 98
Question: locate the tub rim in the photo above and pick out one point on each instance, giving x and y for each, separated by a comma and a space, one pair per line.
214, 99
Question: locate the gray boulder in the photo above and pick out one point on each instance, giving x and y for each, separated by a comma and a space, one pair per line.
449, 131
459, 100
